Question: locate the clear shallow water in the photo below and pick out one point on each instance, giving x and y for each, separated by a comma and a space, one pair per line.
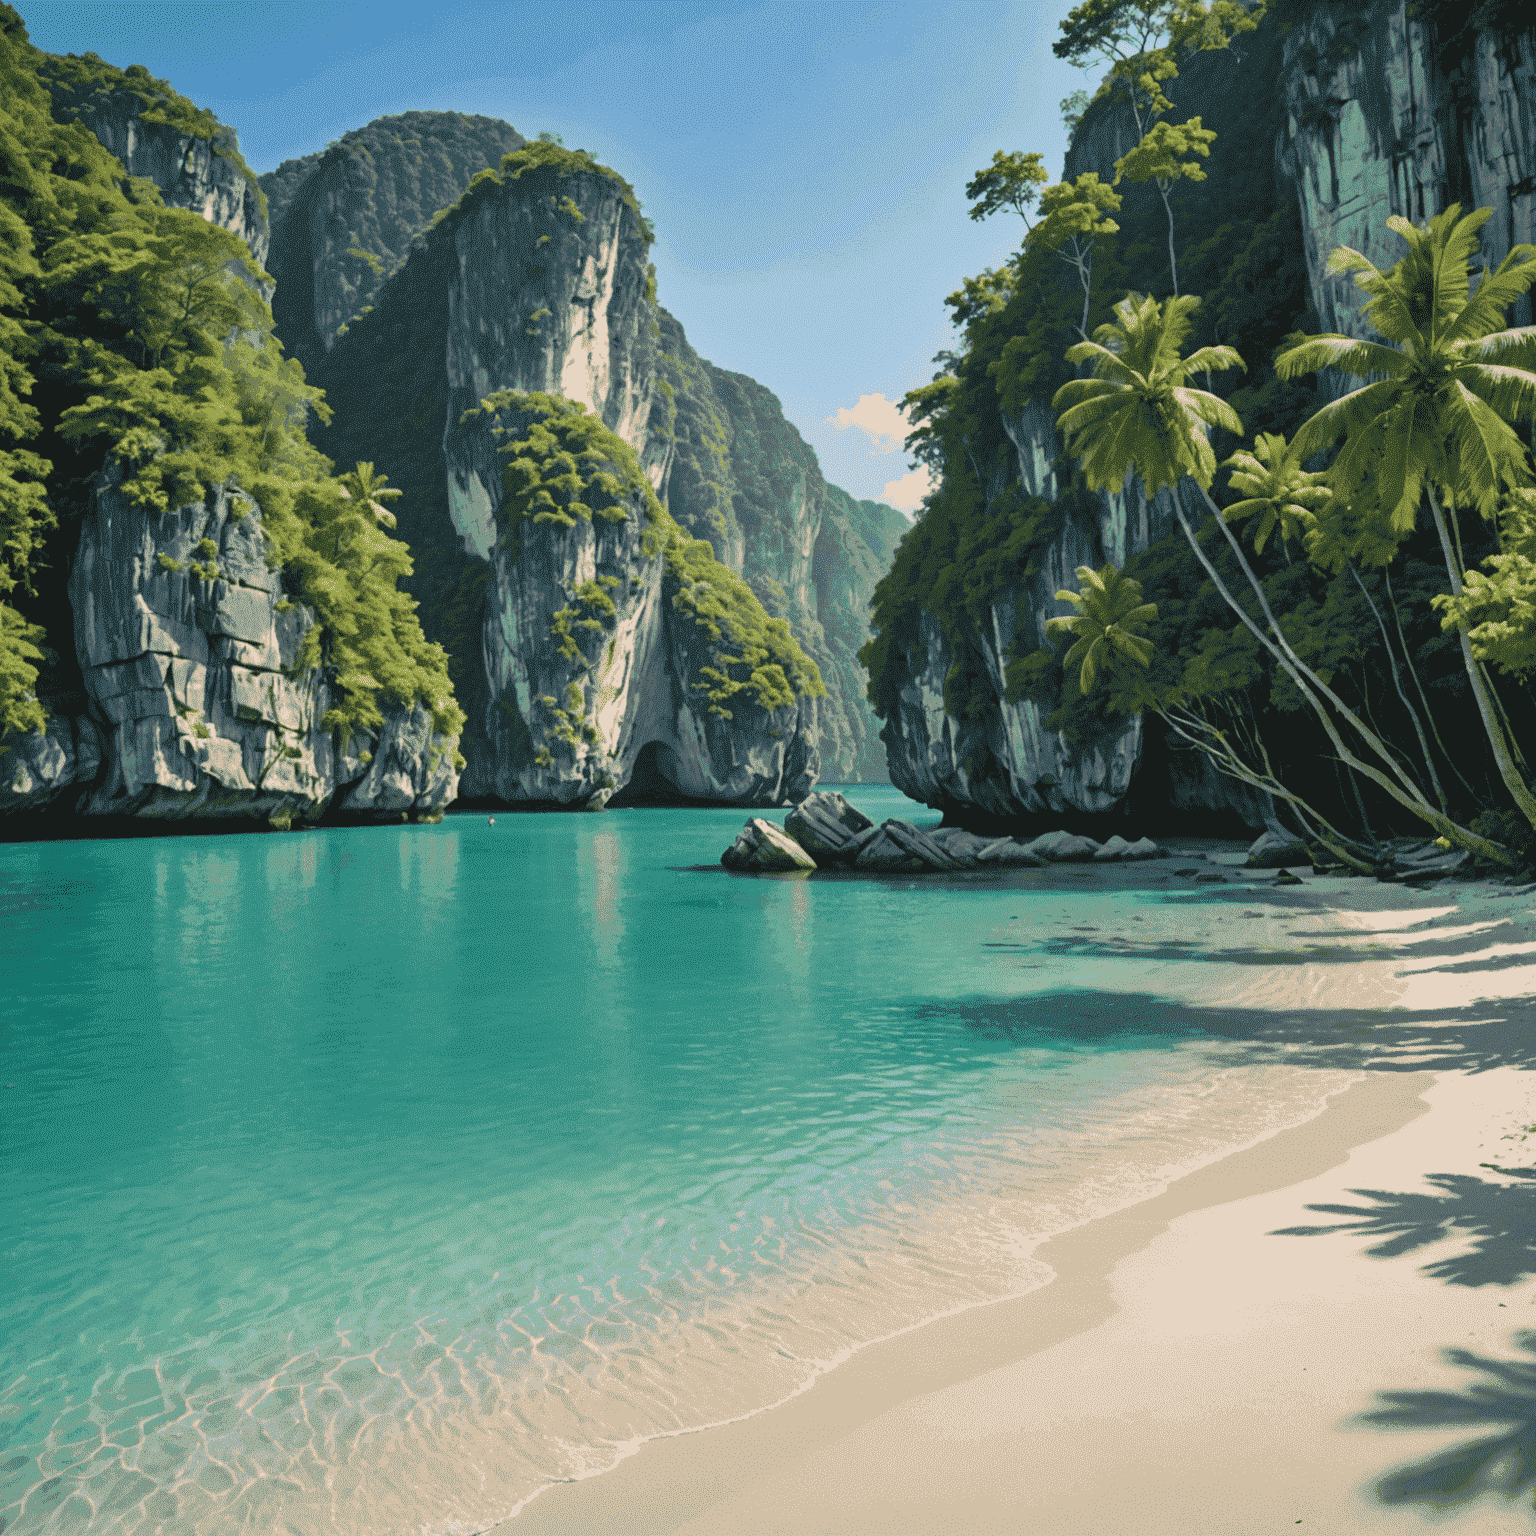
365, 1181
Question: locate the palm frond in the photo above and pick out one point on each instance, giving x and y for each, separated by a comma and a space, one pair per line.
1516, 346
1346, 258
1209, 408
1345, 416
1484, 311
1345, 353
1509, 391
1489, 455
1450, 243
1396, 462
1212, 360
1075, 391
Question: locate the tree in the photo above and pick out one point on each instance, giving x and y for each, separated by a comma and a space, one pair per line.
1109, 614
1143, 42
1138, 414
1073, 216
1432, 425
1275, 489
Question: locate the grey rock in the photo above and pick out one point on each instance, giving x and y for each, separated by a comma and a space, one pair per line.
191, 681
825, 825
1064, 847
1010, 851
1143, 848
900, 845
764, 847
960, 844
1116, 848
37, 768
1277, 850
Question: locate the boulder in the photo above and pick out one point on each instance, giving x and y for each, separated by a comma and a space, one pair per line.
1118, 850
898, 845
825, 825
1277, 850
762, 846
1064, 847
1144, 848
1009, 851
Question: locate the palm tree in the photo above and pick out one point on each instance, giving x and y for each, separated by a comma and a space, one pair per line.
367, 487
1443, 384
1138, 413
1110, 611
1276, 490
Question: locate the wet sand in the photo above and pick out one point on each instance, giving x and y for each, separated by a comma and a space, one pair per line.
1194, 1366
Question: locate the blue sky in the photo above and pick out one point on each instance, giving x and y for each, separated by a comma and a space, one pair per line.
804, 162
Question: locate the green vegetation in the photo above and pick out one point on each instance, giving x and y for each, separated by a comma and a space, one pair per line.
386, 180
1332, 661
136, 333
84, 84
561, 465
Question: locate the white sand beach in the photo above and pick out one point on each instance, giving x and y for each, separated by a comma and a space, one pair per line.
1198, 1365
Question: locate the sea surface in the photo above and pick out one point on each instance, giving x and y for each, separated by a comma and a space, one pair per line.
366, 1181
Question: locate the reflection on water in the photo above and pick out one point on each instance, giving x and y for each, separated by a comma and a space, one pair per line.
363, 1181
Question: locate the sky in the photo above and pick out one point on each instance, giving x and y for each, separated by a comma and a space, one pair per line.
804, 161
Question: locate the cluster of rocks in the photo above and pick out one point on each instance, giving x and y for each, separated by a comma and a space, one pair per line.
1411, 860
825, 831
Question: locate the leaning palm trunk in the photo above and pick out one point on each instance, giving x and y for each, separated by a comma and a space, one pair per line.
1211, 741
1400, 786
1487, 709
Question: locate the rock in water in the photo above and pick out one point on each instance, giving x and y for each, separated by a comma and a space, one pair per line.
899, 845
1064, 847
1144, 848
1009, 851
825, 825
762, 846
1277, 850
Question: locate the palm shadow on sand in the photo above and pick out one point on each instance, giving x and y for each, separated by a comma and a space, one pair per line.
1503, 1462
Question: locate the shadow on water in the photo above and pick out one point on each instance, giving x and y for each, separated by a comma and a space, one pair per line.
1504, 1462
1474, 1037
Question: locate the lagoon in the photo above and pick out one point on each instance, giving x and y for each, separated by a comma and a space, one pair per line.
368, 1180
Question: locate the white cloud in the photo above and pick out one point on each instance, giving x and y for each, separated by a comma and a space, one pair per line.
881, 420
906, 494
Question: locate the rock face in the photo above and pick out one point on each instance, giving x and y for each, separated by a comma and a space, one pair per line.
539, 282
199, 172
1388, 114
344, 219
742, 477
1003, 763
201, 715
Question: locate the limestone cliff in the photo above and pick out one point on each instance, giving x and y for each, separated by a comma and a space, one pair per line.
538, 282
974, 724
190, 156
176, 690
344, 219
1391, 114
202, 710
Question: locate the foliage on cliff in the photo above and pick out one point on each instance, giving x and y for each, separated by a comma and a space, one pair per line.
561, 464
135, 331
81, 84
386, 180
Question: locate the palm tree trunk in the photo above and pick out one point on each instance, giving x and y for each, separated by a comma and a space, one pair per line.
1295, 665
1493, 727
1397, 683
1414, 800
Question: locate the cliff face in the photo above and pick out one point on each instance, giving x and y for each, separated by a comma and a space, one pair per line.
193, 707
201, 712
344, 219
540, 283
963, 732
194, 168
1002, 762
1387, 114
742, 477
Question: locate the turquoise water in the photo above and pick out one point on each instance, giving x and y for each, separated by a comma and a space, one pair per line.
364, 1181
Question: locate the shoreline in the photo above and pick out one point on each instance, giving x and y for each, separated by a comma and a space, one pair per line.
829, 1457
